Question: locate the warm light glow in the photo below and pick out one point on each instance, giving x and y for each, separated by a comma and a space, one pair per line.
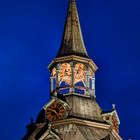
79, 73
53, 72
91, 73
65, 73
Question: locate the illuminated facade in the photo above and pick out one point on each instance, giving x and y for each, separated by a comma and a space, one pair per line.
72, 112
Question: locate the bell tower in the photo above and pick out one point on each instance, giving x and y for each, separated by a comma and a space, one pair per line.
72, 75
72, 112
72, 71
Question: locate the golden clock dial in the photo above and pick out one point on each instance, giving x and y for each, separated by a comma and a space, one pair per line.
65, 73
55, 111
79, 72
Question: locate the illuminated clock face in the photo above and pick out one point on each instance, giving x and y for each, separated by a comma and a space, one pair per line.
55, 111
79, 72
65, 73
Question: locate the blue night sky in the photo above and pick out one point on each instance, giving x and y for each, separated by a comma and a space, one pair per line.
30, 35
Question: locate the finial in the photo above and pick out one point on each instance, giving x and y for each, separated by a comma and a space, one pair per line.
113, 106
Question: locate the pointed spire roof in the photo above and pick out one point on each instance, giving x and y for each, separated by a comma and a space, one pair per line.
72, 41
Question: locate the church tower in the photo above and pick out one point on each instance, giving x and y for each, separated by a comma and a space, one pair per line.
72, 112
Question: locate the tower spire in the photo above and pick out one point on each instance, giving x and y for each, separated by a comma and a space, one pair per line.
72, 40
72, 110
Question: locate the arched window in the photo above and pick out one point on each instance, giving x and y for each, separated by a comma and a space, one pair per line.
65, 73
79, 73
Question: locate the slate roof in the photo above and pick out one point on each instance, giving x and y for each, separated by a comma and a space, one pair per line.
72, 40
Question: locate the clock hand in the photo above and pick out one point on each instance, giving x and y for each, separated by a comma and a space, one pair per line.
53, 111
60, 107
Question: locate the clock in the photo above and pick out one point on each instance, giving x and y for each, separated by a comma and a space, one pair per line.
55, 111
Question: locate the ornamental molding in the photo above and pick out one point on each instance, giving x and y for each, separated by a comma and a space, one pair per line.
80, 122
74, 58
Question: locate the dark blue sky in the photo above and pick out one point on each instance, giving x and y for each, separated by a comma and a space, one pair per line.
30, 35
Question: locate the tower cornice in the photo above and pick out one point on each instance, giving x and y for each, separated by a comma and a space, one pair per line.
74, 58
